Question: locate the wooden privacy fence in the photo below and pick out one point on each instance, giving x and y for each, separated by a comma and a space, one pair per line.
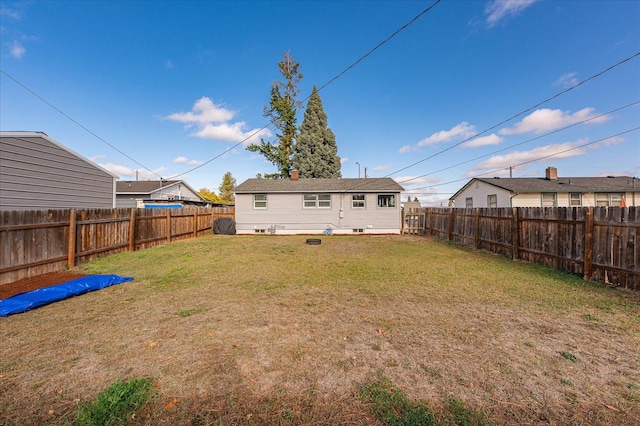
598, 243
35, 242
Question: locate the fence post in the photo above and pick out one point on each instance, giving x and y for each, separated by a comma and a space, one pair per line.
168, 225
213, 219
476, 229
71, 249
515, 234
132, 229
588, 245
451, 219
195, 222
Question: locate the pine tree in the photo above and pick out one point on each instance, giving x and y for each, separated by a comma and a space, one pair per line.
282, 113
316, 152
226, 188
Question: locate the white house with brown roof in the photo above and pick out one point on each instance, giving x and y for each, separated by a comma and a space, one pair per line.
154, 193
318, 206
549, 191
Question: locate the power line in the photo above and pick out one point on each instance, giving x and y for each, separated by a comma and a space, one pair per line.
523, 142
520, 113
337, 76
76, 122
535, 159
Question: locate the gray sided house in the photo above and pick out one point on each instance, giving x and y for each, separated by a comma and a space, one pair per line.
549, 191
318, 206
38, 173
156, 193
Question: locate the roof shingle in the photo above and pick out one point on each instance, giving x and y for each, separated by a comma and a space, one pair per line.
315, 185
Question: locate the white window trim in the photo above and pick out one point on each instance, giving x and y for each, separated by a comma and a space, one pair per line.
555, 199
363, 201
395, 202
579, 194
495, 197
316, 201
265, 201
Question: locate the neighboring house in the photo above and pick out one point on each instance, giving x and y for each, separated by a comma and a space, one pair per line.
156, 193
38, 173
550, 191
317, 206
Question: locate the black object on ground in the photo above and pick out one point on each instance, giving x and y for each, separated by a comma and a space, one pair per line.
225, 226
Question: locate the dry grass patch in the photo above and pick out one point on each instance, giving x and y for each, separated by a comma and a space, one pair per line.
267, 329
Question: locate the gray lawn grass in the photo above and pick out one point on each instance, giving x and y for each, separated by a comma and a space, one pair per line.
248, 330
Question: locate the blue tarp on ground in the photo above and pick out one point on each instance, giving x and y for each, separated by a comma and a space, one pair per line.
33, 299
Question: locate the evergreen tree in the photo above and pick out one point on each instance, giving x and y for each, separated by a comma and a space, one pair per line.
316, 152
282, 113
226, 188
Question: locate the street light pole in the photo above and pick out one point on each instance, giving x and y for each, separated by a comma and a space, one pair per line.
358, 169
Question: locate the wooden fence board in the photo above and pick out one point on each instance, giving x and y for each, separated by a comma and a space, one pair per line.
36, 242
599, 243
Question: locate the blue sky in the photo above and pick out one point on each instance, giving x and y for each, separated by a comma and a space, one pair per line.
165, 86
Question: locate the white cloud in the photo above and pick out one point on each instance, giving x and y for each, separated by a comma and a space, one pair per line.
185, 160
17, 50
343, 160
499, 10
404, 149
566, 80
545, 120
380, 168
413, 180
204, 112
212, 122
558, 151
461, 131
491, 139
127, 173
14, 14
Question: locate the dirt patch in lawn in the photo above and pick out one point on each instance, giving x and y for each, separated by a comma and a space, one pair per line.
271, 330
34, 283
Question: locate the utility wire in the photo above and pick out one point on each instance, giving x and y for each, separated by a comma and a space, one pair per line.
76, 122
533, 160
299, 103
523, 142
520, 113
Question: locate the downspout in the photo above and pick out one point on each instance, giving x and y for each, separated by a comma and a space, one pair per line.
512, 197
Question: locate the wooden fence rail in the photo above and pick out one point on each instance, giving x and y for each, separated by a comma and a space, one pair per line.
598, 243
40, 241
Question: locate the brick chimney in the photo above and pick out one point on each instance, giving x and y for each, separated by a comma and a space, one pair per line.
551, 173
294, 174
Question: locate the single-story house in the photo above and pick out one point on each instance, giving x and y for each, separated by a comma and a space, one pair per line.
318, 206
38, 173
156, 193
550, 191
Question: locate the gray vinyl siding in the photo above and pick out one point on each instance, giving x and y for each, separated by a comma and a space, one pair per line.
36, 173
128, 201
285, 211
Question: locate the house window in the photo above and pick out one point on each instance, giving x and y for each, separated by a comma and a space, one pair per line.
260, 201
602, 199
616, 199
386, 200
468, 202
575, 199
549, 199
357, 201
492, 200
317, 201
